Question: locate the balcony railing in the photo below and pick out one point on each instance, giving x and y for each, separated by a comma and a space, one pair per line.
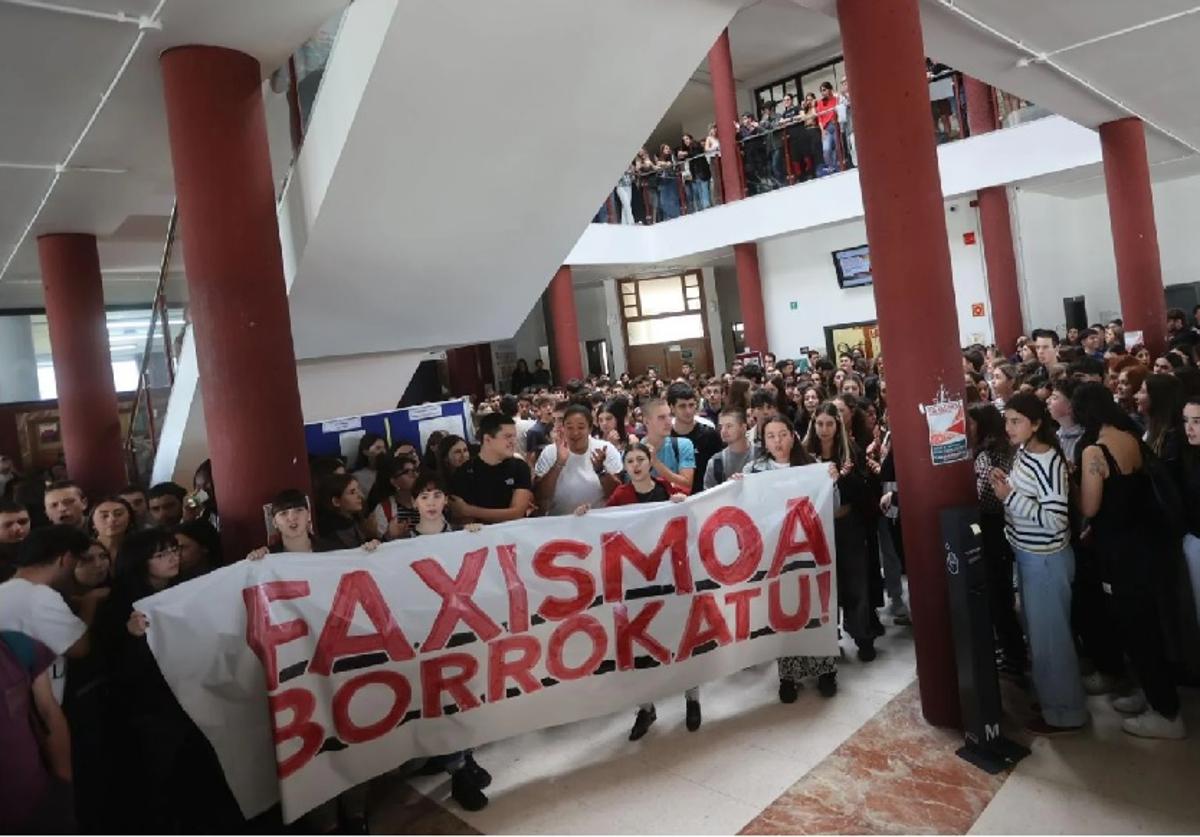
772, 155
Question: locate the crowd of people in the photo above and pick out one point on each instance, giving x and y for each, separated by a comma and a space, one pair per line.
1087, 457
794, 139
789, 141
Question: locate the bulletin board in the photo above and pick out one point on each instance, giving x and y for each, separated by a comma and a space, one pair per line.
339, 436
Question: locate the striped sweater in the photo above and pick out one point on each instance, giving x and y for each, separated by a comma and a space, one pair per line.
1037, 511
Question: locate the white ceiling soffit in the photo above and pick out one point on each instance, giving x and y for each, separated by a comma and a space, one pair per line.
1089, 60
55, 69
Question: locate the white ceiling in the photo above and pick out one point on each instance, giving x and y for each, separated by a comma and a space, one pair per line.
767, 40
1089, 60
54, 71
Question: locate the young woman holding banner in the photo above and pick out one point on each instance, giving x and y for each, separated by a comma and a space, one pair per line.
780, 450
644, 488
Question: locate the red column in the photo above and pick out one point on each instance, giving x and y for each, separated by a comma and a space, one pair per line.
463, 370
720, 70
981, 106
239, 308
1135, 236
999, 256
566, 327
996, 227
754, 318
87, 398
914, 297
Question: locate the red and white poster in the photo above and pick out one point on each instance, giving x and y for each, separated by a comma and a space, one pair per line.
947, 432
313, 673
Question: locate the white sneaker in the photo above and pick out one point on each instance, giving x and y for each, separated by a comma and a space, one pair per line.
1099, 683
1152, 725
1130, 704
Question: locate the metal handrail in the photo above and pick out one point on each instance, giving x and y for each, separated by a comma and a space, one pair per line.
158, 308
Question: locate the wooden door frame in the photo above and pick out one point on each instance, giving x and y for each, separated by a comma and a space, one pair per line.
702, 312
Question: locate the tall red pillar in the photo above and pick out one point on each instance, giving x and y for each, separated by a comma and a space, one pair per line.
995, 220
464, 370
1134, 234
87, 398
754, 318
567, 360
733, 184
720, 70
914, 298
238, 301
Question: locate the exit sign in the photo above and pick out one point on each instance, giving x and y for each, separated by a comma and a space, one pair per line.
793, 305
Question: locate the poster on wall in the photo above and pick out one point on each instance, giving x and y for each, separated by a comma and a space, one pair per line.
947, 422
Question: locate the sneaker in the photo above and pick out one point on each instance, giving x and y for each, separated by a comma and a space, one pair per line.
866, 650
789, 690
1150, 724
1099, 683
1131, 704
902, 620
641, 724
466, 791
482, 777
693, 715
1039, 726
897, 607
827, 684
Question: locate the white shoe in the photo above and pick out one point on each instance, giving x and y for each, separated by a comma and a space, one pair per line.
1098, 683
1131, 704
1152, 725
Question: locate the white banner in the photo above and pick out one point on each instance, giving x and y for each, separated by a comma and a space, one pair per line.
313, 673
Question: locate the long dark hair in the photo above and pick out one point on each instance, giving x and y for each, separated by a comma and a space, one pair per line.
383, 489
1093, 407
133, 559
443, 453
209, 539
799, 456
364, 443
1166, 410
618, 407
329, 489
990, 437
843, 445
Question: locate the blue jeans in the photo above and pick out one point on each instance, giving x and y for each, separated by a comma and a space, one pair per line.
829, 146
668, 199
701, 197
1045, 585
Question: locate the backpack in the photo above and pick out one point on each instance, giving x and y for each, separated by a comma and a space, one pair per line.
718, 462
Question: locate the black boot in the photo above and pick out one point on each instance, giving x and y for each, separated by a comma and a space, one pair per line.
827, 684
693, 715
481, 776
866, 650
789, 690
642, 723
466, 791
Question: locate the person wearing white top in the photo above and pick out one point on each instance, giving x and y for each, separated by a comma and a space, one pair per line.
576, 470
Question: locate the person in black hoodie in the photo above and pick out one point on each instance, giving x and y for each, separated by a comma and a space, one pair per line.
173, 781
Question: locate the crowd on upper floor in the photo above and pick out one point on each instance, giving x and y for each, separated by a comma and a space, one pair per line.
1087, 459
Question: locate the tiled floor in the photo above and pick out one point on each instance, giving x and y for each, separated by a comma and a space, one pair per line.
862, 762
587, 777
1103, 782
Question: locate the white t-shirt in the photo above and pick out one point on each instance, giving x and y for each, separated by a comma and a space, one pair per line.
578, 482
40, 613
523, 427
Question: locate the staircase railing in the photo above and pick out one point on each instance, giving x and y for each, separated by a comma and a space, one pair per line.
156, 372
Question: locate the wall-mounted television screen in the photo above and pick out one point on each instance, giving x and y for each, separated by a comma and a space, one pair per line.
853, 266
